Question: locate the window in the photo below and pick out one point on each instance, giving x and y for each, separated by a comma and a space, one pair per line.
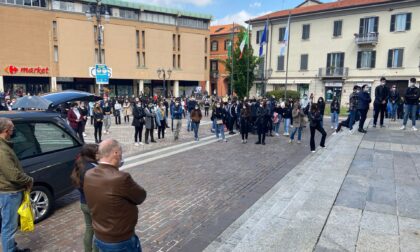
304, 62
306, 30
138, 59
55, 54
280, 63
35, 139
143, 39
126, 14
395, 58
179, 42
138, 39
62, 5
259, 35
368, 25
54, 26
206, 41
338, 26
174, 42
179, 61
227, 44
214, 46
282, 33
366, 59
144, 59
158, 18
174, 61
214, 65
194, 23
205, 63
401, 22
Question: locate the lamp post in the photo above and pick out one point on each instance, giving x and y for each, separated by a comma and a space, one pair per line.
162, 72
98, 10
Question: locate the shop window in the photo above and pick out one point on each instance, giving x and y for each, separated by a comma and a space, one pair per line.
332, 90
55, 54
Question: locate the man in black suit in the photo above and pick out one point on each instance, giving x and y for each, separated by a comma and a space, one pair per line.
381, 98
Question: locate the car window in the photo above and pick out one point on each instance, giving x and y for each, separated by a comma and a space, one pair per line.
52, 138
34, 139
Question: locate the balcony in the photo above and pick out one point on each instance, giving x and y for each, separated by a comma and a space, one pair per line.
333, 72
370, 38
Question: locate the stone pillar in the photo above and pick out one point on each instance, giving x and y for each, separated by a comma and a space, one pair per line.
208, 87
53, 84
1, 84
141, 87
176, 88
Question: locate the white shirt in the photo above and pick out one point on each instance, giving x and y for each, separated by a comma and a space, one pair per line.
77, 113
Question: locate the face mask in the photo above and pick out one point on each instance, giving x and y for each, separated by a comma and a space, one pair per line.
196, 107
261, 105
177, 103
382, 83
122, 162
218, 106
244, 107
413, 84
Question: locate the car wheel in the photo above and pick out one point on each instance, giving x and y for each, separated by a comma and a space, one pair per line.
42, 202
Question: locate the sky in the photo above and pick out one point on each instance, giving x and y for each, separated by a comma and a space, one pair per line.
228, 11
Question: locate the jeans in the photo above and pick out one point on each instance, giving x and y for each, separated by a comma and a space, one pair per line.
379, 109
286, 125
9, 204
195, 127
131, 245
363, 114
98, 131
276, 127
188, 121
394, 107
88, 237
323, 133
334, 119
410, 109
107, 122
220, 128
178, 128
299, 131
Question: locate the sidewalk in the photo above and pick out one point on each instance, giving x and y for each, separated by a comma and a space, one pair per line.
360, 194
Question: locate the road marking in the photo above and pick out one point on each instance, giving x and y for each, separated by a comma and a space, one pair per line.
179, 150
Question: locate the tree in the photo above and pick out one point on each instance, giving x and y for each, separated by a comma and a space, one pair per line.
240, 67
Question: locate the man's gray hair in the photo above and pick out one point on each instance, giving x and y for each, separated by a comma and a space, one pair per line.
107, 147
4, 124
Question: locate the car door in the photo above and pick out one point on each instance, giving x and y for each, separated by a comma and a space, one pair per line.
47, 153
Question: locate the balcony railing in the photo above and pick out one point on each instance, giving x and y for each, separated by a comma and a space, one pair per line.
333, 72
370, 38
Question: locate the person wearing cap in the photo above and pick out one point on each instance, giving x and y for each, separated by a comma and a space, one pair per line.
412, 95
381, 98
394, 97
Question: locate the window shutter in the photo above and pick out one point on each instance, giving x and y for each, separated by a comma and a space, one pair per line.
392, 28
359, 59
335, 29
340, 28
361, 27
375, 27
400, 57
304, 62
258, 37
308, 34
329, 60
280, 63
408, 22
342, 60
390, 52
373, 59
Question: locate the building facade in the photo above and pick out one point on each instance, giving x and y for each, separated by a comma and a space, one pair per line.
49, 46
220, 38
337, 45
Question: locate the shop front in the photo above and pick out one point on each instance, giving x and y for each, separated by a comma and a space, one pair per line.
333, 89
121, 87
303, 89
80, 84
17, 86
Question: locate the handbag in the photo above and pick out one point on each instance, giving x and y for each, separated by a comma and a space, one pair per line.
26, 215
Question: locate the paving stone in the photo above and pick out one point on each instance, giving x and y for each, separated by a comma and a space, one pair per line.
409, 234
369, 241
379, 223
351, 199
408, 201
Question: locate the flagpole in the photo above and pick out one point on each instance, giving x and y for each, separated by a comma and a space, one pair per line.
287, 61
265, 63
231, 57
247, 63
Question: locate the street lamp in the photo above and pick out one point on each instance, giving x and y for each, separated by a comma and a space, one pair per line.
162, 72
98, 10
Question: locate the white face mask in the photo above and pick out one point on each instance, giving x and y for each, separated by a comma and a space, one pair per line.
218, 106
413, 84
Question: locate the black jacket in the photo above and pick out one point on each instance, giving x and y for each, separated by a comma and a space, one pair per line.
364, 100
138, 116
412, 96
381, 94
335, 106
219, 114
315, 118
394, 96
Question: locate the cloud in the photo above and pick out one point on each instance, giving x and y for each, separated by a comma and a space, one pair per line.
239, 18
177, 3
255, 5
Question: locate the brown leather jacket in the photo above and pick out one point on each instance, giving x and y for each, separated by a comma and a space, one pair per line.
196, 115
112, 197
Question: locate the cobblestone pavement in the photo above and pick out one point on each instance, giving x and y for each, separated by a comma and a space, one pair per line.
192, 196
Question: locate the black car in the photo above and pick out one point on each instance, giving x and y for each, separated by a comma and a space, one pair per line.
47, 147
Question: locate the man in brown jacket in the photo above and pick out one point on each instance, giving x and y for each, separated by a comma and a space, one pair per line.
13, 181
112, 197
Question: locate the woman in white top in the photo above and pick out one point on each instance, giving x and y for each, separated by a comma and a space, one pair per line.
117, 112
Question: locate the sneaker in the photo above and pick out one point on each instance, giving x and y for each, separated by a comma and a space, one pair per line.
414, 128
382, 126
374, 125
402, 127
242, 141
290, 141
299, 142
332, 127
351, 131
313, 151
225, 140
323, 147
277, 134
284, 134
141, 143
246, 141
136, 144
334, 133
84, 134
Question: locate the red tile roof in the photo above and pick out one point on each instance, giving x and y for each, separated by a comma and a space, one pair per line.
224, 29
320, 7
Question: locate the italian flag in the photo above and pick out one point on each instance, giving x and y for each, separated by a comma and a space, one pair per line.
244, 43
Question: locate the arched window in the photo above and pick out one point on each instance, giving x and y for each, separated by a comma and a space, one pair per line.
227, 44
214, 46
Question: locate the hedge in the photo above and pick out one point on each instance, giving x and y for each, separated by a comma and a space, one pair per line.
279, 94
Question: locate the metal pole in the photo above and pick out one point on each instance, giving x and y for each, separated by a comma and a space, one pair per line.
164, 83
231, 55
99, 33
287, 61
247, 62
265, 79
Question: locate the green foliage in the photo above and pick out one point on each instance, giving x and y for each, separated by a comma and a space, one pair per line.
279, 94
240, 67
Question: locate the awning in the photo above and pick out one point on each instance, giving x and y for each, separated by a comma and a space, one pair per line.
289, 82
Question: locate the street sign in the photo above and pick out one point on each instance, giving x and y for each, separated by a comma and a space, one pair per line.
102, 70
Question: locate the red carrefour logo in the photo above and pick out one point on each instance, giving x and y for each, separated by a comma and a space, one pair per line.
26, 70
